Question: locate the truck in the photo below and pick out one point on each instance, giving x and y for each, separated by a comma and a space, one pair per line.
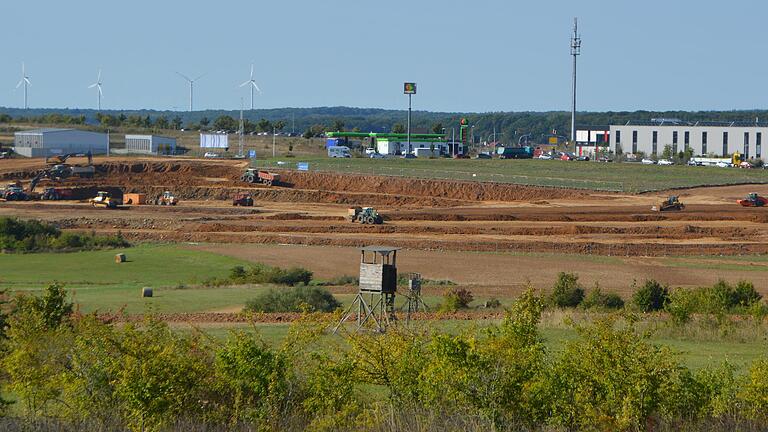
63, 171
339, 152
364, 215
56, 194
253, 175
426, 152
514, 152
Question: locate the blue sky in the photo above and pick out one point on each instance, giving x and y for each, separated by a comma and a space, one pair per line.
474, 56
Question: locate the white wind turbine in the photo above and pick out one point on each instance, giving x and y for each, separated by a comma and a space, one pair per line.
252, 84
24, 80
191, 87
97, 84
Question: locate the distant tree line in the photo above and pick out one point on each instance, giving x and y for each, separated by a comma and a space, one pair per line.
509, 126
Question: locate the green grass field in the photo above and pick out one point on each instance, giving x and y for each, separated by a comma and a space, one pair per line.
623, 177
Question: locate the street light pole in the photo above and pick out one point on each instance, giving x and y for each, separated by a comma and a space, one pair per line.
273, 142
409, 122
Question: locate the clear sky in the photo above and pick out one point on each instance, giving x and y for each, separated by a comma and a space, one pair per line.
465, 56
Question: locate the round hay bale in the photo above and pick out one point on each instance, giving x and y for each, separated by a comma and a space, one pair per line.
146, 292
120, 258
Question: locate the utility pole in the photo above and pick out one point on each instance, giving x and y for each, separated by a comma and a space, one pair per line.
241, 131
575, 52
410, 90
273, 141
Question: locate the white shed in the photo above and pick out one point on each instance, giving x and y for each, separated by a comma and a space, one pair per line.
150, 144
49, 142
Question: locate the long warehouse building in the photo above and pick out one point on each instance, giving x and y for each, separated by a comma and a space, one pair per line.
704, 138
49, 142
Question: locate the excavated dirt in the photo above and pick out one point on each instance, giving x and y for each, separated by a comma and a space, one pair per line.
310, 209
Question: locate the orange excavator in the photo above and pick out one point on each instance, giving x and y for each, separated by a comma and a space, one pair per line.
753, 200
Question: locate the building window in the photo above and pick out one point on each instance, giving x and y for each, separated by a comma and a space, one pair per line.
758, 144
618, 137
704, 143
746, 145
687, 139
674, 137
634, 142
655, 142
725, 143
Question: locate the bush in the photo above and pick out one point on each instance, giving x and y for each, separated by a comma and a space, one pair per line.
295, 299
456, 299
652, 296
260, 273
33, 236
597, 299
567, 291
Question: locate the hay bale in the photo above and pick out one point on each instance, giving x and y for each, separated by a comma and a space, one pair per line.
120, 258
146, 292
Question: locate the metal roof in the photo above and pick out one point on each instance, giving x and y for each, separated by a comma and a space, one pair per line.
379, 249
688, 123
44, 130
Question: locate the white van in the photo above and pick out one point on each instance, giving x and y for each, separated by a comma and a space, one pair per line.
339, 152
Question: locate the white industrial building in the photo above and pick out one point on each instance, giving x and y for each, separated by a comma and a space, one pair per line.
150, 144
49, 142
386, 146
589, 140
704, 138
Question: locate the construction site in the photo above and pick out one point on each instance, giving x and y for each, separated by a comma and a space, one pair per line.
483, 234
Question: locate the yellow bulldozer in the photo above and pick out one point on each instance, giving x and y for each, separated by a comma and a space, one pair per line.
670, 204
105, 199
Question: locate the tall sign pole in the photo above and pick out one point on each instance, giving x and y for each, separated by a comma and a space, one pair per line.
575, 52
410, 90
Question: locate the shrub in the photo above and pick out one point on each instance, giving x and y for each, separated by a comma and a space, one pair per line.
295, 299
261, 273
33, 236
567, 291
652, 296
456, 299
597, 299
745, 294
681, 305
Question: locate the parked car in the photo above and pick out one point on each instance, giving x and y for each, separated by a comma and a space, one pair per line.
408, 156
647, 161
604, 159
483, 156
211, 155
723, 164
376, 156
583, 158
666, 162
695, 163
567, 156
545, 156
745, 164
370, 151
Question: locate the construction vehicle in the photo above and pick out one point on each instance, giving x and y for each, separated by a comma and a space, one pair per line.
364, 215
55, 194
167, 198
753, 200
243, 199
13, 192
62, 159
670, 204
105, 199
66, 171
252, 175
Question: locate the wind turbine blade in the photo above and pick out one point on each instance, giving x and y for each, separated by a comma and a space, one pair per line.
198, 77
93, 85
29, 83
245, 83
183, 76
251, 71
255, 86
98, 79
20, 83
100, 92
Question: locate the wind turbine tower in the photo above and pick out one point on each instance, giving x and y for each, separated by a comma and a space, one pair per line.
191, 88
24, 80
575, 52
252, 84
97, 85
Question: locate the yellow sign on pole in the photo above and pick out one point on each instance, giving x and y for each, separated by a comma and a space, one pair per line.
553, 140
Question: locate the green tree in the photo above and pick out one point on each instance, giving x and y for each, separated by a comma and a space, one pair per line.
567, 291
226, 123
438, 128
279, 125
652, 296
176, 123
337, 126
398, 128
264, 125
161, 122
204, 122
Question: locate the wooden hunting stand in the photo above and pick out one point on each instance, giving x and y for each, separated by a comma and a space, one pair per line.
374, 304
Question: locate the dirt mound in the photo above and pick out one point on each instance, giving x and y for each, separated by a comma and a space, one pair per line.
457, 190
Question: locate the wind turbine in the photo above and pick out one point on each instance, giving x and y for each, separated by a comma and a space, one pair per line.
191, 87
252, 85
24, 80
97, 84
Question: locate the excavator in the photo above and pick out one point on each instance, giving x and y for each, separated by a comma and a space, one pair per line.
670, 204
753, 200
62, 159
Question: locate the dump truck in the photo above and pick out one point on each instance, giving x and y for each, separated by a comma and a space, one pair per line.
167, 198
364, 215
753, 200
55, 194
66, 171
670, 204
105, 199
252, 175
242, 199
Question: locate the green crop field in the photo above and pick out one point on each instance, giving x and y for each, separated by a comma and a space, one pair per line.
623, 177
